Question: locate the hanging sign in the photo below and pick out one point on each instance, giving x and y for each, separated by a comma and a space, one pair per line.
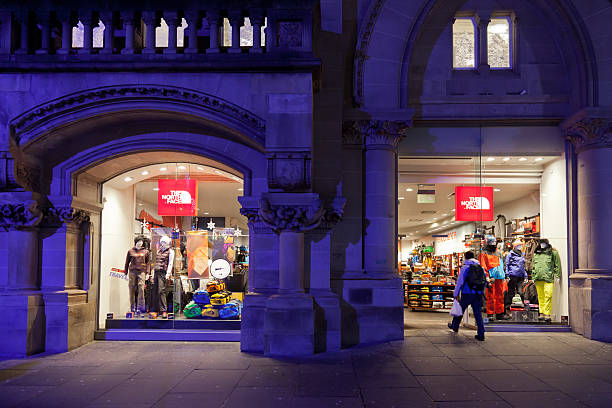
473, 203
177, 197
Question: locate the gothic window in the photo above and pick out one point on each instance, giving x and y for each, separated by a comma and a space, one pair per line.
464, 43
498, 43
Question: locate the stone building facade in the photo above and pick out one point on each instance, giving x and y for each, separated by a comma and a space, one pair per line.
313, 121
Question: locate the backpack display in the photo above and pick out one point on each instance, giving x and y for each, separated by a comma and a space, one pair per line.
201, 297
476, 279
231, 310
192, 310
220, 299
215, 286
210, 311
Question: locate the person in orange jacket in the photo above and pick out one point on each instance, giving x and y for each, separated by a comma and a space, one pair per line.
492, 263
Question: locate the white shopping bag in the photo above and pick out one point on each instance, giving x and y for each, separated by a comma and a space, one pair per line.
456, 310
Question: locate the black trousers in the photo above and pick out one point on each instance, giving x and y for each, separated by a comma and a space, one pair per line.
159, 301
514, 287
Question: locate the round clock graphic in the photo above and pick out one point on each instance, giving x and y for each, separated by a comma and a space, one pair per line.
220, 269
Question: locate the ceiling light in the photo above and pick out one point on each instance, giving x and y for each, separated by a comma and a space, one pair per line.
444, 215
435, 224
200, 168
434, 218
218, 172
156, 189
506, 158
140, 204
239, 189
182, 167
206, 213
522, 159
128, 179
491, 159
496, 189
453, 210
400, 198
144, 173
539, 159
162, 169
409, 189
416, 231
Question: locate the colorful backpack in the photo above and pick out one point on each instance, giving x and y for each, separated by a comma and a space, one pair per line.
220, 299
192, 310
201, 297
210, 311
231, 310
214, 286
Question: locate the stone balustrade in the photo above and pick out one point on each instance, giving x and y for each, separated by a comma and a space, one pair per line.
101, 33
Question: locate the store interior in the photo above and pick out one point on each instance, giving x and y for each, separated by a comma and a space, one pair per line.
528, 218
176, 254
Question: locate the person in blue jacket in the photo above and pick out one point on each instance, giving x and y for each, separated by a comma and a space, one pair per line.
515, 269
468, 297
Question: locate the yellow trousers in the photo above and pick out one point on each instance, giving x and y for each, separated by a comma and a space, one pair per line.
545, 294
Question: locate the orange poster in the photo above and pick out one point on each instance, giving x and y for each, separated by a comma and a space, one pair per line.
197, 254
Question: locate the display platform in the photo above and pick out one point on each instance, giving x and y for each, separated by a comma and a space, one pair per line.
173, 324
166, 335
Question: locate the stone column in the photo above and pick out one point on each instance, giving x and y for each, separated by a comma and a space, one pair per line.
128, 25
107, 20
192, 27
257, 21
236, 20
289, 315
65, 18
590, 292
24, 324
213, 22
44, 19
172, 20
149, 20
23, 19
483, 53
87, 22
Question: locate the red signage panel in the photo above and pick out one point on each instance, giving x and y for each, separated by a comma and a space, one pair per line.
177, 197
473, 203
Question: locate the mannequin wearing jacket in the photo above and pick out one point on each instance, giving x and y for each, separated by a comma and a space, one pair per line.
164, 260
137, 267
492, 263
546, 268
515, 268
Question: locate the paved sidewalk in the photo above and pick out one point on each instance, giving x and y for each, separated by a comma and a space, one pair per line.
431, 368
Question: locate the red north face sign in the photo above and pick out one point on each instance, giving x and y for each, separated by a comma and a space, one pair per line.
474, 203
177, 197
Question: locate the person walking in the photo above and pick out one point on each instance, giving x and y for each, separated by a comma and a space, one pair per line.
470, 285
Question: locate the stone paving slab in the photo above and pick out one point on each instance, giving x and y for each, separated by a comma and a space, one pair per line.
431, 368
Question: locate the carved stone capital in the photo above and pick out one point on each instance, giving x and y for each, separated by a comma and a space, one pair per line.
291, 217
590, 133
352, 135
20, 215
333, 213
58, 216
375, 133
28, 176
252, 214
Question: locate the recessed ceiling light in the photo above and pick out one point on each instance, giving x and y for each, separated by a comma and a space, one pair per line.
128, 179
206, 213
491, 159
140, 204
200, 168
218, 172
144, 173
400, 198
539, 159
182, 167
522, 159
409, 189
444, 215
240, 189
416, 231
162, 169
496, 189
434, 218
453, 210
506, 158
156, 189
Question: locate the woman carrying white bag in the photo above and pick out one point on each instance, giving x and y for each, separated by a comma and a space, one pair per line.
471, 284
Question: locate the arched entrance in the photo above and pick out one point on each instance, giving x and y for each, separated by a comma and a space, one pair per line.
67, 149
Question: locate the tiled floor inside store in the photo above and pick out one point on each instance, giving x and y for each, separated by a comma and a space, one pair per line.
432, 367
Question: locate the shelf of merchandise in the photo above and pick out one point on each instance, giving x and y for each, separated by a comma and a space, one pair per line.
448, 289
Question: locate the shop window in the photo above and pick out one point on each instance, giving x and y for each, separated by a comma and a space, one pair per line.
498, 43
464, 43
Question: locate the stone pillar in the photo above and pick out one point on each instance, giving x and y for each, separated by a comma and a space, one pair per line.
172, 20
289, 315
149, 20
483, 53
257, 21
23, 19
107, 20
128, 25
213, 22
65, 18
590, 292
23, 327
44, 19
236, 20
192, 27
87, 22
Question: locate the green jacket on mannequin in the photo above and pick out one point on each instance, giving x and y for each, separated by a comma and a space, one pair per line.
546, 265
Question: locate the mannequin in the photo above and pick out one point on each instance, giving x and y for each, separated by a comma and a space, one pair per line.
515, 268
137, 266
546, 269
492, 263
500, 227
162, 270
